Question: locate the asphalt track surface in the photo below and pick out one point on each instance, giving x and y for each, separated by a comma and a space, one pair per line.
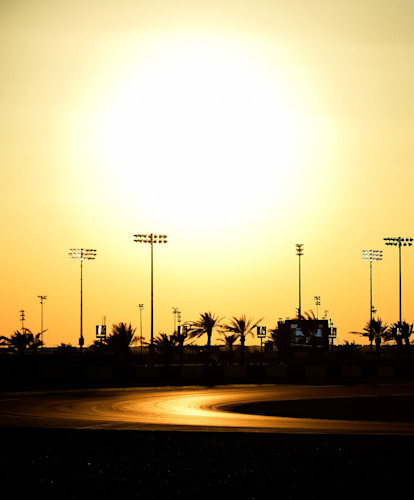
364, 409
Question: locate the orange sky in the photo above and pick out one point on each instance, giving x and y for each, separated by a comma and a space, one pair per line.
237, 128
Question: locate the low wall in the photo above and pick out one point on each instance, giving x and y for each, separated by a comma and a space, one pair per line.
18, 375
314, 371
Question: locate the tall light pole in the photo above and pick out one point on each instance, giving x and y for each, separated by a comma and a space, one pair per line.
22, 318
42, 298
299, 253
371, 256
141, 307
81, 254
151, 239
177, 317
399, 242
317, 299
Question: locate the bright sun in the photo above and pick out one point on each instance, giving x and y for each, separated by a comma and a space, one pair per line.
201, 133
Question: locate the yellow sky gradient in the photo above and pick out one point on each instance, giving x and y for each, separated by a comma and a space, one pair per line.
237, 128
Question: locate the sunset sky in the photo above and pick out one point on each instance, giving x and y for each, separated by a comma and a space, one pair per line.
237, 128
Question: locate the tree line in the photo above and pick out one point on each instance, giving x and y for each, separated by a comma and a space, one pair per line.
377, 331
123, 337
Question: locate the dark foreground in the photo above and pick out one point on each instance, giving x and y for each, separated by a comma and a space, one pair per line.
52, 463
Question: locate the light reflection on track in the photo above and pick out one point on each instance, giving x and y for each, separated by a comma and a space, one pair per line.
188, 408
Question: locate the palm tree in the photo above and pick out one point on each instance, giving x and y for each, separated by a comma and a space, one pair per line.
281, 336
273, 334
229, 339
166, 343
375, 330
204, 326
400, 333
121, 339
241, 327
307, 315
22, 341
66, 354
347, 351
180, 338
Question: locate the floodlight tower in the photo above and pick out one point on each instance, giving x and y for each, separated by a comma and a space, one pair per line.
371, 256
22, 318
42, 298
141, 307
177, 317
151, 239
299, 253
81, 254
399, 242
317, 299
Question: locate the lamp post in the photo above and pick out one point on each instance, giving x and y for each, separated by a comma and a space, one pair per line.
371, 256
399, 242
42, 298
22, 319
177, 317
141, 307
299, 253
81, 254
317, 299
151, 239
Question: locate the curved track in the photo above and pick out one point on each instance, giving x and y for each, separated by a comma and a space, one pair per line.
189, 408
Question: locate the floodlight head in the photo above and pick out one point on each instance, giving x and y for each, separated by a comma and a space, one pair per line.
398, 241
299, 249
82, 253
372, 255
150, 238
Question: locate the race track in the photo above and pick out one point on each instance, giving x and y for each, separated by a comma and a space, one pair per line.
194, 408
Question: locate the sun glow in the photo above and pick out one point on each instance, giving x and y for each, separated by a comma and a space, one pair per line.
201, 133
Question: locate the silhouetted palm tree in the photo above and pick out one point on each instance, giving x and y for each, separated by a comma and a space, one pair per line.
163, 340
204, 326
180, 338
273, 333
346, 351
120, 340
229, 340
375, 330
241, 327
281, 336
400, 333
307, 315
20, 342
165, 344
